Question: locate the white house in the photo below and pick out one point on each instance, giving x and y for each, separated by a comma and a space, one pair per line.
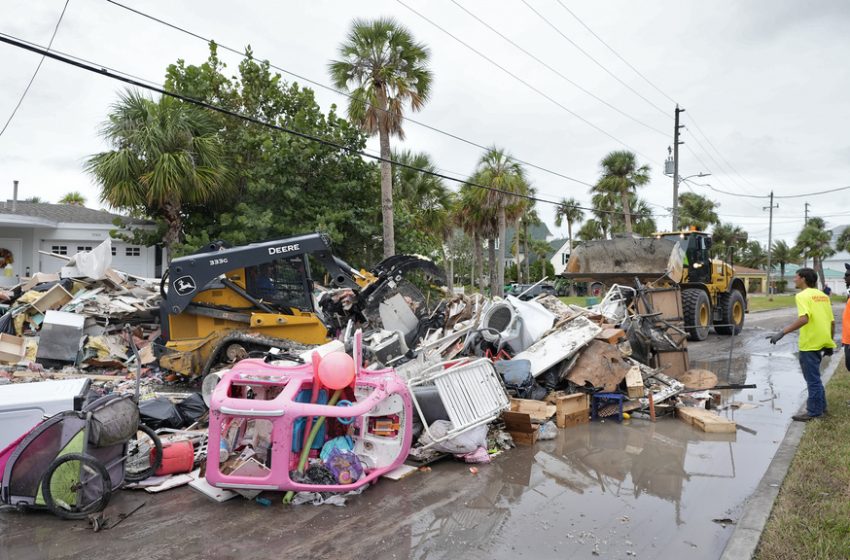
562, 255
29, 227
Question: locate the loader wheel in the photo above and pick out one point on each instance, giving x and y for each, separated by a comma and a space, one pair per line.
731, 307
697, 313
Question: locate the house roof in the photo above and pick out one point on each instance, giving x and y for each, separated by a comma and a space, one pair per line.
42, 213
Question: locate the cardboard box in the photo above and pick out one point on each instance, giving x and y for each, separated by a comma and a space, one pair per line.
519, 425
12, 348
674, 363
667, 301
570, 404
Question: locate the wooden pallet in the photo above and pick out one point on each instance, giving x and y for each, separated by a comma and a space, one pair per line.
705, 420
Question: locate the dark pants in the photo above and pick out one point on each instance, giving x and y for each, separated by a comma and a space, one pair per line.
847, 356
810, 363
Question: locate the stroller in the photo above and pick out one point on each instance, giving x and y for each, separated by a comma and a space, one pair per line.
73, 461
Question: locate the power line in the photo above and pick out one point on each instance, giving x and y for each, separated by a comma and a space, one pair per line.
101, 70
626, 62
588, 55
37, 68
710, 143
339, 92
558, 73
830, 191
525, 83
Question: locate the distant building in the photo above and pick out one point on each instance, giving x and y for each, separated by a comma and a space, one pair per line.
65, 229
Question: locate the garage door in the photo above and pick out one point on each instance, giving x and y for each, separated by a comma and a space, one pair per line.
126, 258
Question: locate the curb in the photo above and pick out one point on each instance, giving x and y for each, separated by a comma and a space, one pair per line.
747, 534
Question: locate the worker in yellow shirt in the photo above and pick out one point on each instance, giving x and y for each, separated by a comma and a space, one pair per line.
817, 329
845, 319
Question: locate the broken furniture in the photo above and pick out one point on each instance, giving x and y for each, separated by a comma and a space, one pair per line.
471, 392
266, 394
61, 338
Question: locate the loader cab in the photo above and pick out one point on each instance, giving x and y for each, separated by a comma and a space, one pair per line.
697, 246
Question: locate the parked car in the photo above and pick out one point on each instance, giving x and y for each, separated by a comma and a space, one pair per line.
537, 290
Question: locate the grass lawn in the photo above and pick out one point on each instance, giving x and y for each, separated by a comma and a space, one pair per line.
574, 300
761, 302
811, 516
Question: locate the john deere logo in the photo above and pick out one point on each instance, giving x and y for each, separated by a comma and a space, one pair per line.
185, 285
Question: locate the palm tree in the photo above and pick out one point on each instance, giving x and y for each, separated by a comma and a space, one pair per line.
621, 176
33, 199
73, 198
568, 210
697, 211
166, 154
754, 255
504, 176
843, 241
425, 197
814, 241
384, 69
645, 223
591, 230
726, 236
783, 254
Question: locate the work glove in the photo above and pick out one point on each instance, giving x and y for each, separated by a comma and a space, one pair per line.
776, 337
827, 351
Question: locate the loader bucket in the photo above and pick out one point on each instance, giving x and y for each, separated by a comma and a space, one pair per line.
622, 260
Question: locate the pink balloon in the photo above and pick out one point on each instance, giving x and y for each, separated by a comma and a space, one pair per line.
336, 371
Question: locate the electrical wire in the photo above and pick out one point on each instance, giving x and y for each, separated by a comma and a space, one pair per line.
710, 143
558, 73
588, 55
37, 68
527, 84
626, 62
102, 71
830, 191
342, 93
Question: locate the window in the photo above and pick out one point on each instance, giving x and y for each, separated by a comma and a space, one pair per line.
114, 251
133, 252
59, 249
565, 257
81, 248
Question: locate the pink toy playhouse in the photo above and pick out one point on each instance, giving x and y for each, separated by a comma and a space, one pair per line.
270, 410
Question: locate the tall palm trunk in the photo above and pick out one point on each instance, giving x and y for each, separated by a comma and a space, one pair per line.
171, 212
478, 261
527, 261
627, 212
818, 263
500, 265
491, 255
516, 252
386, 190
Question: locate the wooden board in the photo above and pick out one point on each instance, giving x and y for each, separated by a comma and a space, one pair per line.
667, 301
634, 383
538, 410
611, 335
600, 365
705, 420
674, 363
561, 343
574, 419
569, 404
519, 425
700, 379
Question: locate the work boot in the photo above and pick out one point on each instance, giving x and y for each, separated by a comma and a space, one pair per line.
803, 417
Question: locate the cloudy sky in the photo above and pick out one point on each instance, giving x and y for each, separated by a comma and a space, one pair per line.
764, 85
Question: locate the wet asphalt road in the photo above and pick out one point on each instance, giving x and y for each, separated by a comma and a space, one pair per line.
601, 490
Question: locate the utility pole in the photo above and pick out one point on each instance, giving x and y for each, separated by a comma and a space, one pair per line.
676, 143
769, 239
805, 223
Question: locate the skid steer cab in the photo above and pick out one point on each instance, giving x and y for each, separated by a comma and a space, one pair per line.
223, 304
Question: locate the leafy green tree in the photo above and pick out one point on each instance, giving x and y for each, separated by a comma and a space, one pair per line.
34, 200
645, 222
814, 242
622, 176
568, 211
698, 211
166, 155
498, 170
281, 184
783, 254
74, 198
384, 68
